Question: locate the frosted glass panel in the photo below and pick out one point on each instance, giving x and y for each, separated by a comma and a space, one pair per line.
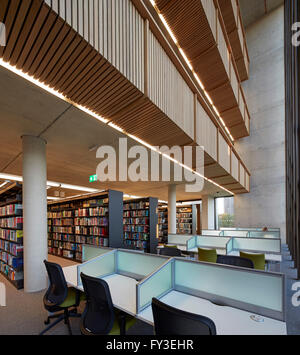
212, 242
211, 232
90, 252
157, 285
259, 289
264, 234
138, 263
229, 246
178, 239
262, 245
98, 267
191, 244
235, 234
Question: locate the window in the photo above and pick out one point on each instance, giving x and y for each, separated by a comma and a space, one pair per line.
224, 212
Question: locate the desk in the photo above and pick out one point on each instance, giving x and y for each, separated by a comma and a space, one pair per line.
228, 321
269, 257
122, 289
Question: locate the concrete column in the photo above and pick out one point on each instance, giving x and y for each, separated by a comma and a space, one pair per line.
172, 209
208, 212
35, 213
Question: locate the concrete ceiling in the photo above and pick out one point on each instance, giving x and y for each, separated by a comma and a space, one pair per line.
70, 133
253, 10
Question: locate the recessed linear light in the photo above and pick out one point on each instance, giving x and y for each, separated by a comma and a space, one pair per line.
89, 112
51, 184
3, 184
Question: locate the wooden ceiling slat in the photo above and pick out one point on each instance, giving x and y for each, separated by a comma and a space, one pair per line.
9, 20
26, 31
32, 37
25, 4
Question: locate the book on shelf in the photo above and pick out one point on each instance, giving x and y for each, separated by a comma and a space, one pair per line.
95, 220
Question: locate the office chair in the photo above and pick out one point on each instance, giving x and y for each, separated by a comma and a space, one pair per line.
207, 255
170, 251
60, 298
259, 260
99, 316
235, 261
171, 321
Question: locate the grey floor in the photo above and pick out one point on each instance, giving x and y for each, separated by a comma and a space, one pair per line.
25, 315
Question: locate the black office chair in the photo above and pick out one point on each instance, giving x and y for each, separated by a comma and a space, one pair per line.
235, 261
169, 251
99, 316
60, 298
172, 321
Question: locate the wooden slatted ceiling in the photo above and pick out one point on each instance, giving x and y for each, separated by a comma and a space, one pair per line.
232, 19
42, 44
191, 27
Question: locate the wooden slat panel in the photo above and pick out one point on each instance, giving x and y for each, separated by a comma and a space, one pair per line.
234, 167
224, 154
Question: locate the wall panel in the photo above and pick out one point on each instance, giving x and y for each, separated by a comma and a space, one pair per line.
224, 153
235, 166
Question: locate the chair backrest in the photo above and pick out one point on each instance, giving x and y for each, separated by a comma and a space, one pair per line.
172, 321
98, 317
259, 260
167, 251
207, 255
235, 261
58, 288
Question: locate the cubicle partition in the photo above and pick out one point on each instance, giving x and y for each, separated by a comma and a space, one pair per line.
90, 252
211, 242
177, 239
269, 234
225, 286
127, 263
255, 245
211, 232
232, 234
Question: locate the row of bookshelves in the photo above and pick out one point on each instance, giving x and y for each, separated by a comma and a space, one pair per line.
11, 210
11, 235
78, 221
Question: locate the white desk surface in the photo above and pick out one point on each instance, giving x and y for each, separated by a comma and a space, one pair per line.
228, 321
122, 289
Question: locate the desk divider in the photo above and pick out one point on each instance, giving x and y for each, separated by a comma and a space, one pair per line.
191, 243
211, 232
156, 285
101, 266
250, 290
233, 234
137, 265
212, 242
266, 246
229, 246
90, 252
266, 235
178, 239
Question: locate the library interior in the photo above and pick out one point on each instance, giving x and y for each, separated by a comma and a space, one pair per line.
149, 167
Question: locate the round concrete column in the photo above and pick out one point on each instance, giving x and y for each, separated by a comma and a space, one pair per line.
34, 213
172, 220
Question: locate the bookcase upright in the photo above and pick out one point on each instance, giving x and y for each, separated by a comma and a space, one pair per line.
11, 235
140, 224
92, 219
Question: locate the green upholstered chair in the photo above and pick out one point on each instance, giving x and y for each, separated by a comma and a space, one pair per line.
259, 260
99, 316
170, 246
207, 255
59, 299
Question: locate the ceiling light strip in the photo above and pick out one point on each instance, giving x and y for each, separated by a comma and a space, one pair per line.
99, 118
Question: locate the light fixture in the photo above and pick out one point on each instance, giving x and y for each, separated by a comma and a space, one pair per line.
3, 184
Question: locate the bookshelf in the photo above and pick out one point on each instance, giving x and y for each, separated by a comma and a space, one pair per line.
92, 219
140, 224
185, 220
163, 231
11, 235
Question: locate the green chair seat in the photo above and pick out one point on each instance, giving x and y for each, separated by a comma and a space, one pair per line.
259, 260
170, 246
70, 301
130, 321
207, 255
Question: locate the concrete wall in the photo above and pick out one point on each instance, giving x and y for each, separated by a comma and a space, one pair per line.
264, 150
208, 212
